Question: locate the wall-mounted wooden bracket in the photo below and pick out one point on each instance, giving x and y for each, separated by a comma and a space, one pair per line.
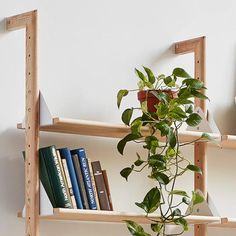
197, 46
28, 21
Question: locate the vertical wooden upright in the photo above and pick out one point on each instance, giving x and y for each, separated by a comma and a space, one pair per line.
28, 21
197, 46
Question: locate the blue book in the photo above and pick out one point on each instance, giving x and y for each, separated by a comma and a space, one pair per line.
86, 177
65, 154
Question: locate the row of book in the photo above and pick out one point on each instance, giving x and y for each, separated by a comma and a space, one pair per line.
71, 180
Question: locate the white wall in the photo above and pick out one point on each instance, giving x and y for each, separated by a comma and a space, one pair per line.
87, 51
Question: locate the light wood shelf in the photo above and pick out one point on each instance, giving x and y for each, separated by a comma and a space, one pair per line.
103, 129
117, 217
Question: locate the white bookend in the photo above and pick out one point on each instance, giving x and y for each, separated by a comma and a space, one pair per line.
207, 124
45, 115
206, 208
45, 206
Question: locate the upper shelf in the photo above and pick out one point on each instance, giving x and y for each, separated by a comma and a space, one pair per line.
102, 129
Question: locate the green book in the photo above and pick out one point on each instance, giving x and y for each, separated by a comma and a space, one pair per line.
48, 155
43, 175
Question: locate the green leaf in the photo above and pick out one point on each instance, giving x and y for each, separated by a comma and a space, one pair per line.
176, 212
123, 142
194, 119
151, 201
140, 75
138, 162
122, 93
157, 161
186, 200
198, 94
196, 198
194, 83
161, 178
151, 143
126, 172
126, 115
194, 168
162, 110
170, 152
135, 229
169, 81
189, 109
181, 221
179, 72
156, 227
171, 138
136, 125
179, 192
207, 137
179, 112
150, 75
163, 127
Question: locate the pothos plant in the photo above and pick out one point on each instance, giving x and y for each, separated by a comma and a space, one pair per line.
158, 131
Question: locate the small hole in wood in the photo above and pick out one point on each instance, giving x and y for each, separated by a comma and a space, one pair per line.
28, 127
29, 181
29, 109
198, 78
29, 164
29, 37
28, 199
198, 160
198, 61
29, 217
28, 145
198, 177
29, 73
29, 55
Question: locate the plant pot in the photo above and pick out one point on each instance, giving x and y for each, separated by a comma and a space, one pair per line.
152, 100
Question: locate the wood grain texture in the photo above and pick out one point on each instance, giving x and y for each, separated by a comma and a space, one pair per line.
29, 22
197, 46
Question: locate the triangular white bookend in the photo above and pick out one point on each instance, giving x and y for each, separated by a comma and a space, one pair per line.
206, 208
45, 115
207, 124
45, 206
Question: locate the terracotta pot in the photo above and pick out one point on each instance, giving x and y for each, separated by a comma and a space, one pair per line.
152, 100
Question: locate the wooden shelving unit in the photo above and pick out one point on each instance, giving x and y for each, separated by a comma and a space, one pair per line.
100, 129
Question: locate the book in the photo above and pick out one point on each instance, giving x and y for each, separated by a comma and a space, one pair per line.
44, 178
104, 173
93, 184
86, 177
65, 154
101, 187
67, 176
80, 181
57, 183
64, 177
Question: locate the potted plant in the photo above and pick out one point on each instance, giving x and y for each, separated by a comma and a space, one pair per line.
166, 103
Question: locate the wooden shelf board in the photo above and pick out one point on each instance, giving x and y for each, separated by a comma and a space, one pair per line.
102, 129
116, 217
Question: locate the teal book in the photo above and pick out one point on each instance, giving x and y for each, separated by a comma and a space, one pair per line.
48, 156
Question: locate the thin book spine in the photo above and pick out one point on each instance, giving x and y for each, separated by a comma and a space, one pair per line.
64, 177
100, 184
64, 164
105, 177
93, 184
86, 177
80, 181
65, 154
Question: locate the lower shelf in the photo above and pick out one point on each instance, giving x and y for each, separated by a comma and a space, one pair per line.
118, 217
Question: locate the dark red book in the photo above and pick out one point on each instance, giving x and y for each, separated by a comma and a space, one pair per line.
101, 187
